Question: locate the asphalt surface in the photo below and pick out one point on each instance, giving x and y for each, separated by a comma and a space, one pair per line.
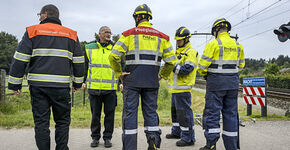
262, 135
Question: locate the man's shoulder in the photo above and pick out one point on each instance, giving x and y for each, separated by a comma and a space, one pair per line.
92, 45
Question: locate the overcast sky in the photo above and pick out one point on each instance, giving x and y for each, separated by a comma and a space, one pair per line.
87, 16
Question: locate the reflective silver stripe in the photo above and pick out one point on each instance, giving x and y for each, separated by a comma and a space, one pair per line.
151, 128
122, 45
78, 79
132, 131
177, 69
214, 130
48, 78
94, 80
80, 59
14, 80
206, 58
95, 65
168, 49
109, 81
242, 60
180, 87
230, 133
90, 68
106, 66
169, 58
175, 75
52, 52
219, 41
143, 62
237, 43
175, 124
22, 57
239, 51
114, 51
136, 41
202, 67
113, 78
150, 52
190, 63
184, 128
221, 62
220, 70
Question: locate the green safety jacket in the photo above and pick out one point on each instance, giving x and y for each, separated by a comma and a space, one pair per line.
100, 75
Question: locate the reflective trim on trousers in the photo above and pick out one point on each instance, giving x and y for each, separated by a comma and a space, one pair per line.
48, 78
175, 124
52, 52
14, 80
22, 56
214, 130
151, 128
227, 133
132, 131
142, 62
78, 79
184, 128
149, 52
220, 70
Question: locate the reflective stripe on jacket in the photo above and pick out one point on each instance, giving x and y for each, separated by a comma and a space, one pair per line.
222, 55
144, 48
53, 53
183, 83
100, 75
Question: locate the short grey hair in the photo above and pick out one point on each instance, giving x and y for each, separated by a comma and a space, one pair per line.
102, 28
51, 10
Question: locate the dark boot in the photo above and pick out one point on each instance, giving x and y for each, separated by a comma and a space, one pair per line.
182, 143
208, 148
108, 143
95, 143
151, 143
172, 136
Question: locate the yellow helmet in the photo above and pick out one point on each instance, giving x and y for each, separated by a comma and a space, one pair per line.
143, 10
182, 33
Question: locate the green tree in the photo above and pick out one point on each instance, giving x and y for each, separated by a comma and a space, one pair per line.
8, 45
272, 68
115, 38
97, 37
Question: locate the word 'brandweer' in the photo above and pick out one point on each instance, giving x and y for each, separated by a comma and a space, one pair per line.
146, 30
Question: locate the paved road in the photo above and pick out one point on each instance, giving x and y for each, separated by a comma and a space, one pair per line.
262, 135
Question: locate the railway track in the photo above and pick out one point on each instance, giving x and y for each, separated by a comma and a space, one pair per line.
283, 94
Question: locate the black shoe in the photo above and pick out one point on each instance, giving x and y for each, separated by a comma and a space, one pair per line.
151, 143
95, 143
208, 148
182, 143
172, 136
108, 143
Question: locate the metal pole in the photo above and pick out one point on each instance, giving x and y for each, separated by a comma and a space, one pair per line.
249, 109
2, 86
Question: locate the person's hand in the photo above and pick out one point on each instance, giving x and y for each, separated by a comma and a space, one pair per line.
159, 77
17, 92
76, 89
122, 76
84, 86
121, 86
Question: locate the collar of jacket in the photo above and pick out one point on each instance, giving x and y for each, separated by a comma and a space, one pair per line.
145, 24
105, 44
51, 20
183, 49
223, 34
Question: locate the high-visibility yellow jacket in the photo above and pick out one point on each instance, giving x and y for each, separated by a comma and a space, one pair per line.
222, 55
144, 47
183, 77
100, 76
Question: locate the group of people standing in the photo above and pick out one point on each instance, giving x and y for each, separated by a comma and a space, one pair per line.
53, 54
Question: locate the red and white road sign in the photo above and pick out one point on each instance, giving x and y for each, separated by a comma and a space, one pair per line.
255, 100
256, 91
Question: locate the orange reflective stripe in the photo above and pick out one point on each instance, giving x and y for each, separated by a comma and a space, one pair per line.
51, 29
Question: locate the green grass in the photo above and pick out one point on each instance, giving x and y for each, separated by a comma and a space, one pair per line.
17, 110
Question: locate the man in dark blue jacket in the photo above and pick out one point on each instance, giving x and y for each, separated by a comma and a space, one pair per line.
54, 56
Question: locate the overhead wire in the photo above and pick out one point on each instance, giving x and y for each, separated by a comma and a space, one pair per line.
251, 36
256, 13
